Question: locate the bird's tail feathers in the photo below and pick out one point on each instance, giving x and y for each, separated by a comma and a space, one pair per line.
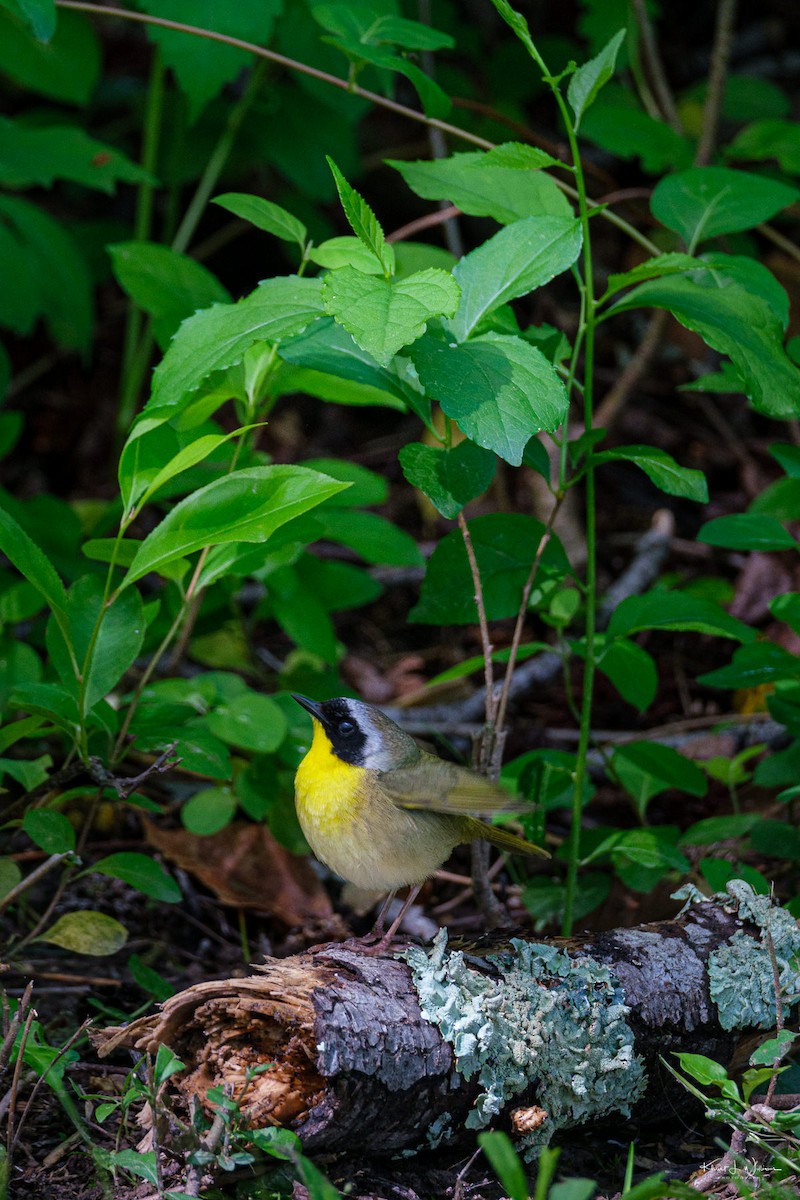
509, 842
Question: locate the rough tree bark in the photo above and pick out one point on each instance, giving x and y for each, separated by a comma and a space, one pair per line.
382, 1054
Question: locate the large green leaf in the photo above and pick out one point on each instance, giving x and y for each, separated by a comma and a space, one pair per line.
202, 67
754, 665
363, 222
110, 652
384, 315
218, 337
705, 202
26, 556
246, 506
370, 535
86, 932
771, 138
500, 390
449, 478
484, 189
58, 272
142, 873
505, 546
519, 258
38, 15
617, 124
676, 610
747, 531
736, 323
167, 285
31, 156
589, 78
67, 68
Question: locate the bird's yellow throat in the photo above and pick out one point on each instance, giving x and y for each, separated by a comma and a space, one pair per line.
327, 790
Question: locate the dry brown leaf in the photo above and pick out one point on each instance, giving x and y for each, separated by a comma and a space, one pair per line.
243, 865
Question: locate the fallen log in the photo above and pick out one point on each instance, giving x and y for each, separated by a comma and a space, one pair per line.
383, 1054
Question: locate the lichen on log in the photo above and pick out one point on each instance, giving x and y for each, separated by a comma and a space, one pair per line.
383, 1054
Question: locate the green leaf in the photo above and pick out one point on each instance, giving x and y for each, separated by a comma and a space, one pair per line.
264, 215
676, 610
202, 67
66, 69
712, 830
219, 336
209, 811
646, 769
38, 15
736, 323
521, 257
520, 157
652, 268
588, 79
771, 138
505, 546
506, 1163
10, 876
661, 468
632, 671
29, 560
617, 124
785, 608
746, 531
750, 274
753, 665
245, 506
142, 873
449, 478
86, 932
137, 491
250, 721
773, 1048
138, 1162
374, 538
110, 652
384, 315
483, 189
61, 284
346, 252
31, 156
168, 286
301, 616
788, 456
362, 220
705, 202
366, 487
499, 389
704, 1070
49, 830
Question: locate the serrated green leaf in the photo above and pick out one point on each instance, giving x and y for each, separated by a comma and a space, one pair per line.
142, 873
499, 389
747, 531
589, 78
505, 546
264, 214
219, 336
384, 315
736, 323
484, 189
521, 257
705, 202
520, 157
662, 469
362, 219
86, 932
49, 830
245, 506
449, 478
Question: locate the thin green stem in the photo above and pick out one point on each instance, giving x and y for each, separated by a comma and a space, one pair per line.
142, 229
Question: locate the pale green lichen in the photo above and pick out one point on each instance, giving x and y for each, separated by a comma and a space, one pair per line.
741, 974
548, 1021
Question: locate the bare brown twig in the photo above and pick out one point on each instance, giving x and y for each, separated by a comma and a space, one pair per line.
720, 55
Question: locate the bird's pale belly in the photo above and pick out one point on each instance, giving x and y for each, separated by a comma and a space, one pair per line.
368, 840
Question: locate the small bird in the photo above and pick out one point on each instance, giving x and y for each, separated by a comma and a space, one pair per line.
383, 813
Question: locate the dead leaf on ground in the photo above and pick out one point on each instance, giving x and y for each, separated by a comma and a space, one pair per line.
243, 865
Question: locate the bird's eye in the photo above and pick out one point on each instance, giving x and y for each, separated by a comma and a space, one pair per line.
346, 728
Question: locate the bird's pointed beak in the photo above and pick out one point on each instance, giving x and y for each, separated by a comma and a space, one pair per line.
309, 705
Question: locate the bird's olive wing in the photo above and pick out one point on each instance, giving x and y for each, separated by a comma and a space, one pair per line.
443, 787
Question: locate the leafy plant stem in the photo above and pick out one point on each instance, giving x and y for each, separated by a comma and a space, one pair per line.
591, 541
142, 229
344, 85
216, 162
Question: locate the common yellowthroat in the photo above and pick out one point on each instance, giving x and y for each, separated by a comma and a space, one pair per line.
383, 813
